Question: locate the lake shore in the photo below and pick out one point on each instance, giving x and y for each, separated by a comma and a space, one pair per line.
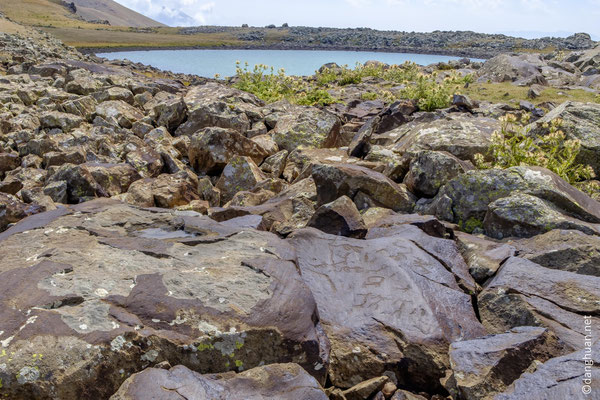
407, 50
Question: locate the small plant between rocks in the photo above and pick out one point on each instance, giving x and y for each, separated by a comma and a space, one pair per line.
512, 146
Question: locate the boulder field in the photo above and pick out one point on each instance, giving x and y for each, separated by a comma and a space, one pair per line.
175, 238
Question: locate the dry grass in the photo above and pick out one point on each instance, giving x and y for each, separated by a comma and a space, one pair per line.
116, 38
508, 93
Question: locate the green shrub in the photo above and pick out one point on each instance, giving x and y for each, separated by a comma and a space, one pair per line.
348, 76
369, 96
512, 146
314, 97
269, 86
265, 84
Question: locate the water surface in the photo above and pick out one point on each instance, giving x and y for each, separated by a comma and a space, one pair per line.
207, 63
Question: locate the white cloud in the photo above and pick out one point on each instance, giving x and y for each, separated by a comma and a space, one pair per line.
173, 12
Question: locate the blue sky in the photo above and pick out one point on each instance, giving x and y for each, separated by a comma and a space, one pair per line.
488, 16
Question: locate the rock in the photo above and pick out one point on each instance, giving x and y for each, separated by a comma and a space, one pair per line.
299, 162
267, 143
365, 389
525, 294
340, 217
8, 162
140, 193
523, 215
559, 378
388, 390
465, 199
114, 93
565, 250
83, 85
428, 236
523, 69
208, 192
13, 210
579, 121
463, 102
368, 302
334, 181
430, 170
57, 191
118, 290
147, 162
535, 91
306, 127
121, 112
113, 178
461, 135
212, 148
275, 164
486, 366
275, 381
170, 191
81, 185
216, 105
361, 142
395, 115
484, 257
404, 395
81, 106
64, 121
70, 156
170, 111
241, 173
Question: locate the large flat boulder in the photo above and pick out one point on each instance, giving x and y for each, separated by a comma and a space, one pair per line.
97, 292
276, 381
566, 250
520, 69
525, 294
461, 135
485, 366
466, 199
386, 305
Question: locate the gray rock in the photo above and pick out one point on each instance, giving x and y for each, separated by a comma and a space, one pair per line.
366, 281
306, 127
525, 294
430, 170
560, 378
461, 135
119, 289
485, 366
334, 181
340, 217
275, 381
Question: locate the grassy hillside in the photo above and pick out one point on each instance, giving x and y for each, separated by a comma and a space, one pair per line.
112, 12
53, 13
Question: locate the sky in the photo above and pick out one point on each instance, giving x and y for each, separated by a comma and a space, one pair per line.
529, 17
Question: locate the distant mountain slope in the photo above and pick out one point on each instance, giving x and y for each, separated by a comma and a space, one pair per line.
58, 13
113, 12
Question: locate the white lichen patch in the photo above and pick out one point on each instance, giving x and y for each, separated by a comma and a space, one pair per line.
89, 316
117, 343
150, 356
28, 375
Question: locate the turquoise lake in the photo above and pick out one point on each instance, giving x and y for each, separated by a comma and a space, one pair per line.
207, 63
